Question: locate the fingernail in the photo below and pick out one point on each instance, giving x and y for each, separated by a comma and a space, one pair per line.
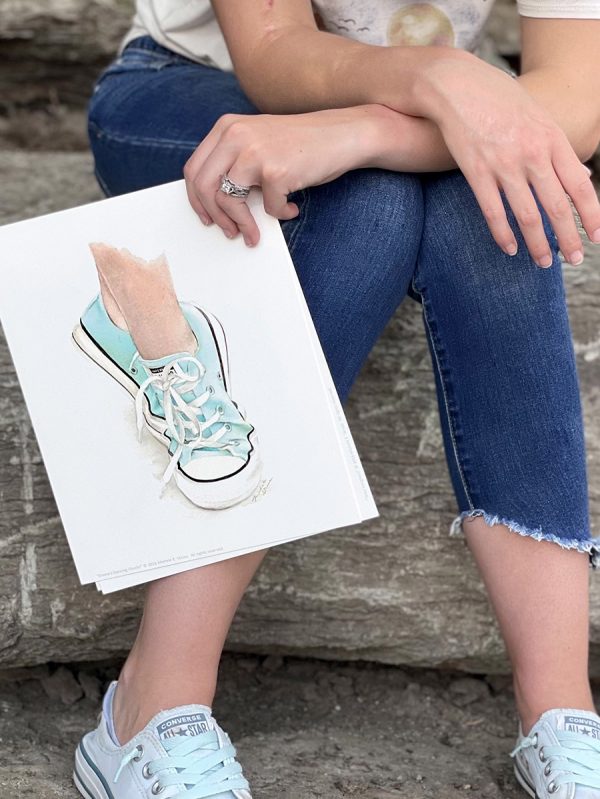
203, 219
589, 171
596, 236
511, 249
576, 257
249, 242
229, 234
545, 261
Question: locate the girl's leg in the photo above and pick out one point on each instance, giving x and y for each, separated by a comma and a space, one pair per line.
141, 295
149, 111
137, 144
175, 658
540, 595
352, 289
504, 364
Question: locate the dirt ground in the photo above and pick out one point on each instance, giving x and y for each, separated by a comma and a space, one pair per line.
303, 728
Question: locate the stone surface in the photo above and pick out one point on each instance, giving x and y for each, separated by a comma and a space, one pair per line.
306, 729
52, 49
397, 590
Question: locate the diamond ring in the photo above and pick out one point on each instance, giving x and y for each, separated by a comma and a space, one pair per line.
233, 189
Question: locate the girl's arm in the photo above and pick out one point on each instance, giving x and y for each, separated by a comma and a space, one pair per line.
285, 64
560, 66
560, 70
491, 126
561, 73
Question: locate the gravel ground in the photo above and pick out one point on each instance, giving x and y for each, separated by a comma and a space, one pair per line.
303, 728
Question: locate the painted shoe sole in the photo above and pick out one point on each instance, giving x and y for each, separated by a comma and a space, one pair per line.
209, 494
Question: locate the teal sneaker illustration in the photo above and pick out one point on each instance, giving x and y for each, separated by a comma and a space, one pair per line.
184, 401
181, 752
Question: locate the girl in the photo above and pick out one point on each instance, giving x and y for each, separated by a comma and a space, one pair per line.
398, 163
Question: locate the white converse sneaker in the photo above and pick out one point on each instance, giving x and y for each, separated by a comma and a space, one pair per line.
182, 753
560, 758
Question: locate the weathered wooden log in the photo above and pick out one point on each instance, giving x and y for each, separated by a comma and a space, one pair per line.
397, 590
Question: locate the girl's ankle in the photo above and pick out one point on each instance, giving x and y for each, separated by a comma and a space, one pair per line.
531, 704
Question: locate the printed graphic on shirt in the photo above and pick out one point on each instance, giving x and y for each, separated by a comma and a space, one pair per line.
420, 23
450, 23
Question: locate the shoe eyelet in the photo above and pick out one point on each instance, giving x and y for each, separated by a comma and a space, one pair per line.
547, 770
220, 410
157, 788
140, 752
211, 390
133, 370
146, 773
535, 741
542, 756
219, 376
228, 427
552, 787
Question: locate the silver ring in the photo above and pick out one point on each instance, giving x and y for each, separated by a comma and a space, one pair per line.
233, 189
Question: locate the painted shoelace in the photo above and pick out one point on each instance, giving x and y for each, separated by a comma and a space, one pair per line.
181, 416
575, 760
199, 762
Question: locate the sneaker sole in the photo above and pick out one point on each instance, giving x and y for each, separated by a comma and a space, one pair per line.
524, 783
195, 490
87, 778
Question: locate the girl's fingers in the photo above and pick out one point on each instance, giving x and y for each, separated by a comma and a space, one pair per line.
196, 161
529, 219
196, 203
244, 172
237, 209
552, 196
486, 193
276, 203
575, 179
207, 145
206, 187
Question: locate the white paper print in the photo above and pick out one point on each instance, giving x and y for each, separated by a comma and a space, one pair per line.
159, 464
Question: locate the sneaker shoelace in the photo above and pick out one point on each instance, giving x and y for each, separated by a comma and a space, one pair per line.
182, 416
199, 763
574, 760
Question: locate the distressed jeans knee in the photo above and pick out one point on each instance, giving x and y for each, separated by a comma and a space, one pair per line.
508, 390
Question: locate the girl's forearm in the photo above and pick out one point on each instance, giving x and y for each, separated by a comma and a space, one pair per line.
405, 143
569, 106
303, 69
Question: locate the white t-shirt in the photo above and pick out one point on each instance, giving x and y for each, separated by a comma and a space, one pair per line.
189, 27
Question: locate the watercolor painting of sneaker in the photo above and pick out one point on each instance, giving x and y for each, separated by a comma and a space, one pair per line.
184, 401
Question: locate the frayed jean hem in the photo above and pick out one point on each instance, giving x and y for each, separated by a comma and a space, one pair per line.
591, 545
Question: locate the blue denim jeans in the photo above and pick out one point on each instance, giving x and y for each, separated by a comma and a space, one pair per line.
497, 326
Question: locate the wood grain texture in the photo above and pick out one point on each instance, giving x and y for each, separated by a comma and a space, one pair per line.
396, 590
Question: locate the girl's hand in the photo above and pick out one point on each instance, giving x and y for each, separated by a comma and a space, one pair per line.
279, 153
501, 138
